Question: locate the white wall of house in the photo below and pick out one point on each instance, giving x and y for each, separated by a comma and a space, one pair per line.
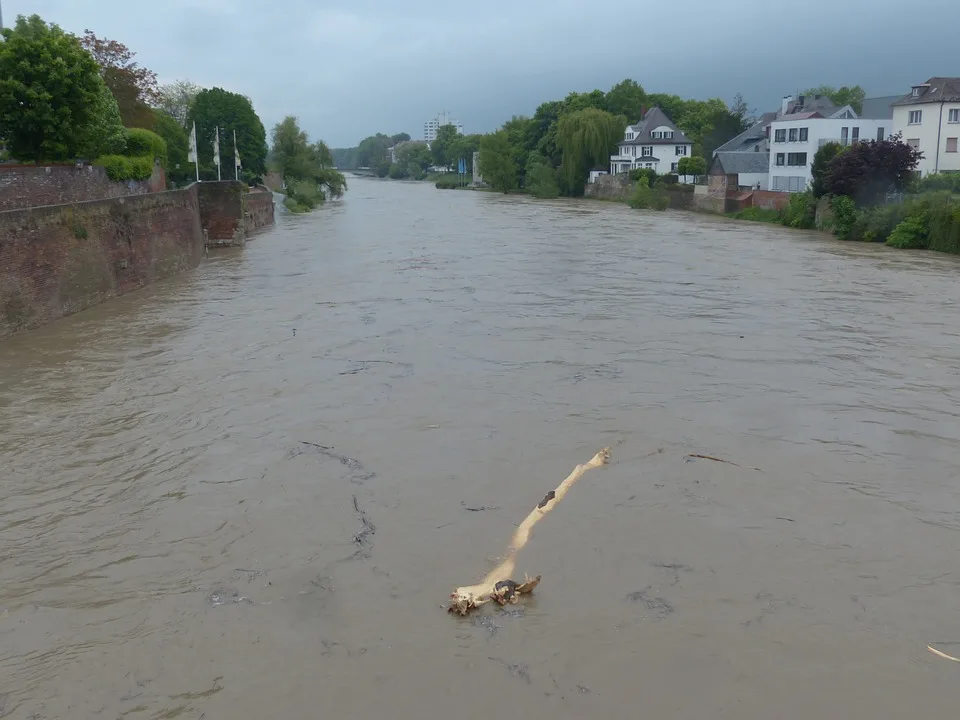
751, 180
662, 158
935, 122
794, 143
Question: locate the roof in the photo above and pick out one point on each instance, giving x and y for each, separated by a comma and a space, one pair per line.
745, 141
655, 118
647, 158
878, 108
735, 163
799, 116
934, 90
821, 104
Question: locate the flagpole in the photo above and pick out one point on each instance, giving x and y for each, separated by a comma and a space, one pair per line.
218, 153
236, 154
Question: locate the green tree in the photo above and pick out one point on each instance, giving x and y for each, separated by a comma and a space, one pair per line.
104, 134
307, 168
626, 98
233, 112
134, 87
176, 99
49, 92
821, 162
496, 162
179, 170
693, 165
586, 137
414, 159
464, 146
841, 96
399, 138
372, 150
442, 147
541, 179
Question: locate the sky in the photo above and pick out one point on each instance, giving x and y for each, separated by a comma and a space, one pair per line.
350, 68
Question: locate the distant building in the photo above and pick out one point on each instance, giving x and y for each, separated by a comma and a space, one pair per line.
430, 127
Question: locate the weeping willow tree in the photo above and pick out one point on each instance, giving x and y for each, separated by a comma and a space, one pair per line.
586, 138
308, 169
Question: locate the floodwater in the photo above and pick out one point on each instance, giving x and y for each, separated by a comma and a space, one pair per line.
175, 542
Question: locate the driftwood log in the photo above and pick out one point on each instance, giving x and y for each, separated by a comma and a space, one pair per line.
497, 585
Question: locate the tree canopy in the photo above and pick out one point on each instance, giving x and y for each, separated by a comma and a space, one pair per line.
307, 167
231, 111
176, 98
178, 167
853, 96
586, 139
134, 86
50, 91
867, 171
497, 165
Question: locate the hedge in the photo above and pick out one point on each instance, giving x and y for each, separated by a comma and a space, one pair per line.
121, 168
144, 143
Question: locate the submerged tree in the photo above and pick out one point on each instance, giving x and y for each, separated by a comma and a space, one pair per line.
497, 165
308, 169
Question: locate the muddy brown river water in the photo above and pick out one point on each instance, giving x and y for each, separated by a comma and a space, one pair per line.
173, 546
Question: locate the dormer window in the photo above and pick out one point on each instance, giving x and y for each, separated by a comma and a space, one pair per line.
916, 92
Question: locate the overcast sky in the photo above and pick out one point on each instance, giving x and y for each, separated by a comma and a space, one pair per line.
350, 68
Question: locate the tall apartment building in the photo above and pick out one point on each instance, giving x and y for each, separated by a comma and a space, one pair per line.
430, 127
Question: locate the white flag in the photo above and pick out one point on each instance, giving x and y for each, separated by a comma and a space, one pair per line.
192, 154
216, 148
236, 151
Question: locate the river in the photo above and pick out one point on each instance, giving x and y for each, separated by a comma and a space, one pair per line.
186, 469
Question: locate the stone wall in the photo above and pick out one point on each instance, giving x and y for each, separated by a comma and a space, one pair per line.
23, 186
222, 212
58, 260
258, 209
610, 187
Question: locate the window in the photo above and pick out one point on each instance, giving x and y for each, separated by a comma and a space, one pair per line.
916, 92
648, 166
856, 134
668, 135
914, 142
844, 135
804, 134
797, 159
793, 134
629, 136
674, 166
781, 159
916, 117
953, 116
647, 151
881, 134
788, 184
951, 144
681, 150
780, 136
655, 135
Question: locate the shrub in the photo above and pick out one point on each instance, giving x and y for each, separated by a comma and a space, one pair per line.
660, 200
121, 168
541, 181
650, 175
801, 212
756, 214
642, 194
912, 233
303, 196
144, 143
945, 228
844, 216
448, 182
397, 172
949, 181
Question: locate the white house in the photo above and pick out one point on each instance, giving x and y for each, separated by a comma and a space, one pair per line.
654, 143
929, 119
795, 139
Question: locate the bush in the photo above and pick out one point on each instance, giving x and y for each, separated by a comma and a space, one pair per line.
670, 179
912, 233
303, 196
801, 212
397, 172
448, 182
660, 200
541, 181
949, 181
756, 214
844, 216
642, 194
945, 228
650, 175
121, 168
144, 143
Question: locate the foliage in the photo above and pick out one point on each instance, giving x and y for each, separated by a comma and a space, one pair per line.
801, 212
121, 168
649, 173
626, 98
693, 165
233, 112
176, 99
941, 181
414, 160
844, 216
442, 147
912, 233
821, 163
868, 171
399, 138
448, 182
874, 224
104, 134
179, 169
463, 146
49, 91
945, 227
853, 96
660, 199
307, 168
134, 87
642, 195
373, 150
143, 143
541, 179
497, 164
756, 214
586, 139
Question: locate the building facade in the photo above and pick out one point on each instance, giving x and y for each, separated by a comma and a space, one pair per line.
431, 126
928, 118
654, 143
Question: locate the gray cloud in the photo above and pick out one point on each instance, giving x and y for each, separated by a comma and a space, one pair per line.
349, 68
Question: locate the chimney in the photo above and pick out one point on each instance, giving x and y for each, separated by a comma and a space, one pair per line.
786, 104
